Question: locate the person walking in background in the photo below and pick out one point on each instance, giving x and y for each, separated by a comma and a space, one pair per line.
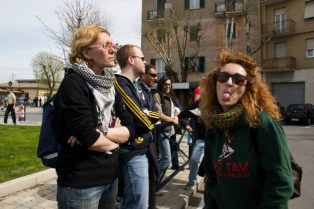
140, 152
246, 157
165, 98
193, 113
40, 102
11, 102
21, 114
90, 122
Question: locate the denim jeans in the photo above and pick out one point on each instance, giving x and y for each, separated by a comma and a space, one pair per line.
164, 151
195, 160
136, 183
98, 197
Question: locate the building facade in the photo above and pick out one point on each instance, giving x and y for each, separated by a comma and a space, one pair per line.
207, 26
25, 89
288, 55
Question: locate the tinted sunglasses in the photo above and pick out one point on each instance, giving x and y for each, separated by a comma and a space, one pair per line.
237, 78
152, 75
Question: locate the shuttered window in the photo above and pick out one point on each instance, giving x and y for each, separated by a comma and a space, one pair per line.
161, 35
280, 50
192, 65
310, 48
309, 10
194, 4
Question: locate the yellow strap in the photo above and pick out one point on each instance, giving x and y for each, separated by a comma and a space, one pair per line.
133, 107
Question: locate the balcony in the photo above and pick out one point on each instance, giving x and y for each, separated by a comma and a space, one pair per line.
270, 2
281, 63
229, 8
155, 15
281, 28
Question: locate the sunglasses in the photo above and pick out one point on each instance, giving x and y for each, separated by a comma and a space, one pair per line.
152, 75
105, 45
237, 78
142, 58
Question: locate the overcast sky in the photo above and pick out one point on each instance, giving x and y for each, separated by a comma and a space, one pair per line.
22, 36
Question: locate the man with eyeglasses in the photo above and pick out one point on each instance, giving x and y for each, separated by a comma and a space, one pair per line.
150, 75
138, 154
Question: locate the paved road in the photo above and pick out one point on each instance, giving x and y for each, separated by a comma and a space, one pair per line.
301, 145
33, 116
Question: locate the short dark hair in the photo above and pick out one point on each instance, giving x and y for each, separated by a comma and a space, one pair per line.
148, 67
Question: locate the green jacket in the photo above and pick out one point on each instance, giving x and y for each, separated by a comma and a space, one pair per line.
251, 171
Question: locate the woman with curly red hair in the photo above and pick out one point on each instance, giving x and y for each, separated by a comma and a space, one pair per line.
246, 154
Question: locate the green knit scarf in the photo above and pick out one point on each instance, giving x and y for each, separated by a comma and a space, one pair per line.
228, 119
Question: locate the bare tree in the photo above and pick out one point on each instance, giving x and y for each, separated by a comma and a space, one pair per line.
178, 28
73, 14
47, 69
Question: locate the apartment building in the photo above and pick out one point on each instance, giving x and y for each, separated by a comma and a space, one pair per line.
288, 52
207, 26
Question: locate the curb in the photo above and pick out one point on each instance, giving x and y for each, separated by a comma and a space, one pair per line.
26, 182
173, 195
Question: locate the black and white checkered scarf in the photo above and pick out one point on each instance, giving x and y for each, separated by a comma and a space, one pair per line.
103, 91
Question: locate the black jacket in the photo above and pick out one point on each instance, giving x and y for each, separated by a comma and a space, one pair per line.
76, 115
140, 97
197, 123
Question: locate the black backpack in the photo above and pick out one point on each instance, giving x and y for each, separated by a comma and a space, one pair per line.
48, 147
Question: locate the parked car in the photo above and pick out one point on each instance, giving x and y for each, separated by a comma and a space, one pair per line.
281, 110
302, 113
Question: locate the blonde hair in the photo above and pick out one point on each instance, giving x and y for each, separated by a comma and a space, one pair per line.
83, 38
256, 98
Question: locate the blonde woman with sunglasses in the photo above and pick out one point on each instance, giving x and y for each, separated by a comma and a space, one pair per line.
246, 154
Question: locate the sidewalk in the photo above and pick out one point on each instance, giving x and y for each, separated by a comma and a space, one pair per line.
39, 190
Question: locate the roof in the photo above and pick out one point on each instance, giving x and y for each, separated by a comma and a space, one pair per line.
24, 85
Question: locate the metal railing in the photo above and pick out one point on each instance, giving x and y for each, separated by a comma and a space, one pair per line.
280, 28
227, 7
163, 180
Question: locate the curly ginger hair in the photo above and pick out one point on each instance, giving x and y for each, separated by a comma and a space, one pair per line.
256, 98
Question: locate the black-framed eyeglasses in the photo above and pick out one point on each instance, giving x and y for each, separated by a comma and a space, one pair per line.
167, 84
237, 78
105, 45
154, 75
142, 58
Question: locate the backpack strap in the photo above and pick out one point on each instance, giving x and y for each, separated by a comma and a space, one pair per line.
133, 107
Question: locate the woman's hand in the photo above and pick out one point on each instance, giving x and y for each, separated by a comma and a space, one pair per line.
73, 141
175, 120
103, 144
188, 128
117, 123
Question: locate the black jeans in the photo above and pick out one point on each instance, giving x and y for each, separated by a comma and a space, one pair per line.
174, 152
7, 111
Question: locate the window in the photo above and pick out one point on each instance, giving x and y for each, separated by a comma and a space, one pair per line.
194, 32
230, 5
194, 4
195, 64
309, 48
160, 66
280, 50
309, 10
280, 20
230, 31
161, 35
161, 8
